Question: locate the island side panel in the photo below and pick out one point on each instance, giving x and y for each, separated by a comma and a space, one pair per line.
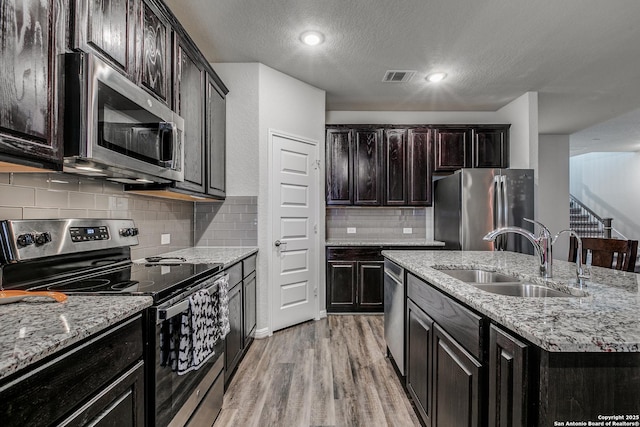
584, 386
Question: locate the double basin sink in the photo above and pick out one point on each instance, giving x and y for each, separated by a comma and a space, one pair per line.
502, 284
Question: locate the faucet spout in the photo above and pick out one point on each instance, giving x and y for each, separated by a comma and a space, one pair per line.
580, 273
541, 243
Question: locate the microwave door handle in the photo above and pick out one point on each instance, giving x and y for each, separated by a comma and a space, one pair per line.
176, 154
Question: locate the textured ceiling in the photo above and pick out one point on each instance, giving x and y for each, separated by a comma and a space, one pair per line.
581, 56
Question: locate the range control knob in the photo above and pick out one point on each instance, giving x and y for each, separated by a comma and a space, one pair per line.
42, 238
25, 239
126, 232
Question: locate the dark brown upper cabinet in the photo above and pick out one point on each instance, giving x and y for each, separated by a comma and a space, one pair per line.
419, 167
490, 147
482, 146
215, 137
189, 104
451, 149
108, 29
156, 51
31, 43
339, 170
395, 162
378, 167
366, 167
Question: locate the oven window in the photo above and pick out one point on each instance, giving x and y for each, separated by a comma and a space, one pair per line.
173, 390
129, 129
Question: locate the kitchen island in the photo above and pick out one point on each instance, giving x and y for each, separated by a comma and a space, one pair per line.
519, 360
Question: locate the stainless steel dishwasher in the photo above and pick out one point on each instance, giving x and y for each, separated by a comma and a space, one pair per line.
394, 298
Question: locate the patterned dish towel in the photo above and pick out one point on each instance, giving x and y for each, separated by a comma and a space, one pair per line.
223, 306
198, 331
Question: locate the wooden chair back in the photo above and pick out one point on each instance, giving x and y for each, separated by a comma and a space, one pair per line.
610, 253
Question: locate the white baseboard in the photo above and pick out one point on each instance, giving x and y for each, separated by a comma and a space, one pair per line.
261, 333
322, 315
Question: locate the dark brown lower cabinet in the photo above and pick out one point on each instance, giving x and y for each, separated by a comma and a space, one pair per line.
242, 313
249, 307
355, 280
508, 380
97, 382
234, 339
419, 345
456, 383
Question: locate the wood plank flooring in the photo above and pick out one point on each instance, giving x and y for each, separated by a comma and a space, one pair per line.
331, 372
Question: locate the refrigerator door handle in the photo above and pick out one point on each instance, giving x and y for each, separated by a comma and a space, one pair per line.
505, 209
499, 245
497, 211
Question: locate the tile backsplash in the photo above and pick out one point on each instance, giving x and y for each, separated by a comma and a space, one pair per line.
231, 223
379, 223
51, 196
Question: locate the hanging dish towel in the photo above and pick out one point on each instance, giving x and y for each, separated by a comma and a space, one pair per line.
223, 305
198, 332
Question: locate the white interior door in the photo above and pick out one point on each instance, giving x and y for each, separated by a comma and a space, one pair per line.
294, 201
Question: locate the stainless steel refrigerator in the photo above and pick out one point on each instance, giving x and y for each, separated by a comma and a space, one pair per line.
472, 202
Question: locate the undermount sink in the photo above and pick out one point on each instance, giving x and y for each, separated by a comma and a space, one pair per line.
520, 290
502, 284
480, 276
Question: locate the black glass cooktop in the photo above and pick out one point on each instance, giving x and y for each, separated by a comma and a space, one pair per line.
160, 280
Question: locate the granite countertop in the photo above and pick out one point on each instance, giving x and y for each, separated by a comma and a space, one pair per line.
606, 318
336, 242
35, 328
212, 254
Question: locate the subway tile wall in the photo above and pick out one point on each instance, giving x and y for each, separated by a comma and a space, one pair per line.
51, 196
379, 223
233, 222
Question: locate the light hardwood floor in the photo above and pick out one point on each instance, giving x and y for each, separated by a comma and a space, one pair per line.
331, 372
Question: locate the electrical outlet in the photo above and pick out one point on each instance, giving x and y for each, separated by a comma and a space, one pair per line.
165, 239
407, 230
351, 230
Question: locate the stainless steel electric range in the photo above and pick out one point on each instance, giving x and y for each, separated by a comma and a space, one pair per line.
93, 257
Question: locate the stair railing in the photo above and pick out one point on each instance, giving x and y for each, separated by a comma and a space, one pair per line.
585, 228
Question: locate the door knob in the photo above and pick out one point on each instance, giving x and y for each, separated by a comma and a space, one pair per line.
278, 243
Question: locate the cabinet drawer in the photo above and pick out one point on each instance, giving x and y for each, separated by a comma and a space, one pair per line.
461, 323
235, 274
355, 254
249, 265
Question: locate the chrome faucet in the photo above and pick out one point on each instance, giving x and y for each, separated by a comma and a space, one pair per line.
580, 273
541, 243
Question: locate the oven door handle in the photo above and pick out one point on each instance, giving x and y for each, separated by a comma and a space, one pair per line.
166, 313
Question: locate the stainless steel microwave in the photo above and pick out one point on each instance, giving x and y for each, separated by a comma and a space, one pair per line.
115, 129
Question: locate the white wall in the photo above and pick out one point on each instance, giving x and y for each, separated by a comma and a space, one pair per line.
607, 183
295, 108
522, 113
260, 99
553, 188
242, 80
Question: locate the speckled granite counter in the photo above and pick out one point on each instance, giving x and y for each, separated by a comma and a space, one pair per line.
383, 243
211, 254
605, 319
35, 328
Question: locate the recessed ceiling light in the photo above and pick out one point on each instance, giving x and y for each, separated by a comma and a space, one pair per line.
312, 38
436, 77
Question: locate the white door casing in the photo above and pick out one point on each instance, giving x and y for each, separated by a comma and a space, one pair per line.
293, 195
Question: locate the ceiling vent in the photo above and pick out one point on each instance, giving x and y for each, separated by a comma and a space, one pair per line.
398, 76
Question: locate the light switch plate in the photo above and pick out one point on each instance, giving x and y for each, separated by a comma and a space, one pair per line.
165, 239
407, 230
351, 230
